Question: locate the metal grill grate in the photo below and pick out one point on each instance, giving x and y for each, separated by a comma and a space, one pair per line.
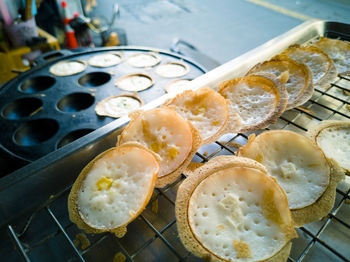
49, 235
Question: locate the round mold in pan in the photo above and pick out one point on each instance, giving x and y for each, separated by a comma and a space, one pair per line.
172, 69
75, 102
147, 59
105, 60
37, 84
135, 82
21, 108
96, 82
177, 85
72, 136
36, 131
31, 139
68, 68
94, 79
118, 106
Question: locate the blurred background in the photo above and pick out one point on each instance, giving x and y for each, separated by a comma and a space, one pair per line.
210, 32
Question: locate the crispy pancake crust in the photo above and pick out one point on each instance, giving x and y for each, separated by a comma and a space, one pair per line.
73, 209
315, 131
328, 72
192, 166
183, 198
295, 162
195, 104
322, 206
270, 85
301, 87
338, 51
174, 175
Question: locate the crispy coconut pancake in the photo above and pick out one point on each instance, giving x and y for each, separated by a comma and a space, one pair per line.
118, 106
258, 99
333, 137
230, 209
324, 204
67, 68
301, 169
105, 60
113, 189
166, 133
207, 110
299, 166
338, 51
322, 67
297, 78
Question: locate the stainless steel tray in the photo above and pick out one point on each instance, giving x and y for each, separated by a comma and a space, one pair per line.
34, 221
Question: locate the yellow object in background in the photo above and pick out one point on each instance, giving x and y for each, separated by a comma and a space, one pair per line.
11, 61
51, 41
113, 40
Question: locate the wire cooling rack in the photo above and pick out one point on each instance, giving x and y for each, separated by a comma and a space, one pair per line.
48, 234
